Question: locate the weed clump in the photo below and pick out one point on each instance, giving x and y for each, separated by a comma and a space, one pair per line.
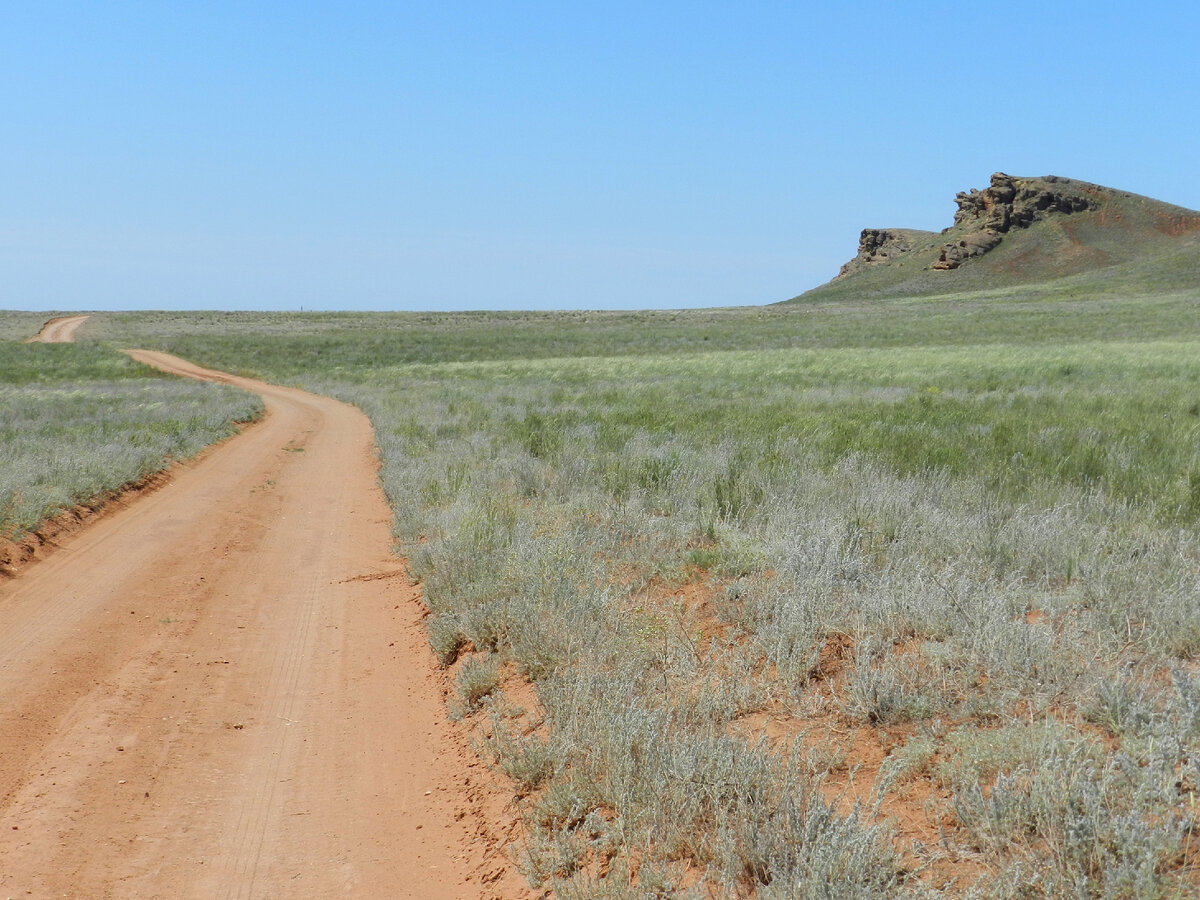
477, 679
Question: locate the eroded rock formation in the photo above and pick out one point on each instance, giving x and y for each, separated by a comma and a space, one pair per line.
987, 215
879, 245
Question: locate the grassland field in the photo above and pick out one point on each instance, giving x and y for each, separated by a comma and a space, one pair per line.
80, 422
840, 599
19, 325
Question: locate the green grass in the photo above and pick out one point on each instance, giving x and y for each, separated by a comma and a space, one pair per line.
354, 346
990, 499
1122, 418
16, 325
79, 421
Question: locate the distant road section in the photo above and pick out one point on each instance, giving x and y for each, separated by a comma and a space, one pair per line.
60, 330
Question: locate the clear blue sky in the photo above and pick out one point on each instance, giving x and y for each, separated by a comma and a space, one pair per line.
370, 155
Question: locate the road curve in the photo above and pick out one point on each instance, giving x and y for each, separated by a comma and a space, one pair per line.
60, 330
224, 690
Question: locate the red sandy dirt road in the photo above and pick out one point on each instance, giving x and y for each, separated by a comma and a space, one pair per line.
58, 331
223, 690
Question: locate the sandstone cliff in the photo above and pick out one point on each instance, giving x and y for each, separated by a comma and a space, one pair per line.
986, 216
881, 245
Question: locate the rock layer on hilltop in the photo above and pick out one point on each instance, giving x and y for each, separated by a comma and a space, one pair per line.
879, 245
1022, 231
1009, 203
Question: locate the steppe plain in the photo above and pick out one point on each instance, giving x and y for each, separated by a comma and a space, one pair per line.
866, 594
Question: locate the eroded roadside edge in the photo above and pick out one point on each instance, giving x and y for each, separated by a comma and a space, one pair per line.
19, 551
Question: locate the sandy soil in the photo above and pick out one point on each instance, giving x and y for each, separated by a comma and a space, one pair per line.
224, 690
58, 331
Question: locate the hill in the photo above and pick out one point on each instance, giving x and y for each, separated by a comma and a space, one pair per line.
1025, 231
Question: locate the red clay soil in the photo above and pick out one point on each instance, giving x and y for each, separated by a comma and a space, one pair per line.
29, 547
60, 330
224, 690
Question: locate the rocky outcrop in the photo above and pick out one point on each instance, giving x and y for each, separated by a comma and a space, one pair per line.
955, 253
880, 245
984, 217
1025, 230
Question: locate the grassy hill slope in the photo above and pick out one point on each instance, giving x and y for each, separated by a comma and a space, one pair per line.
1030, 231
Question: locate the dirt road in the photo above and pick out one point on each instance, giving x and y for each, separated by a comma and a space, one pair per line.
224, 691
58, 331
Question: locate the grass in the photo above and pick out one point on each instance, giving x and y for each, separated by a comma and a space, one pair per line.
17, 325
355, 347
897, 597
78, 422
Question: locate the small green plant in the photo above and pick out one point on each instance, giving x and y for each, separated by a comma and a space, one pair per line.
446, 638
884, 689
913, 759
527, 759
477, 679
979, 755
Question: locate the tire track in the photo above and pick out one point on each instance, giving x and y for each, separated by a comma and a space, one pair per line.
59, 330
